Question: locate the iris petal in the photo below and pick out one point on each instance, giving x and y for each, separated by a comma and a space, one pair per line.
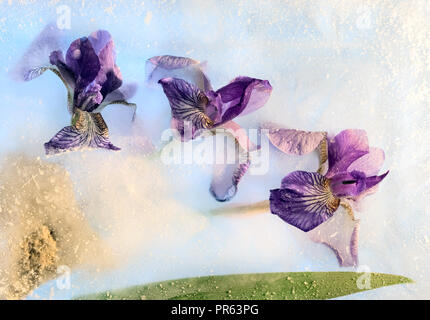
352, 184
340, 233
370, 163
227, 175
304, 200
345, 148
109, 76
187, 104
99, 40
188, 69
83, 61
56, 58
87, 130
293, 141
242, 96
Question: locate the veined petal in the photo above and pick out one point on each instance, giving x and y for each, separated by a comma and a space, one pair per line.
345, 148
188, 69
340, 233
188, 104
291, 141
304, 200
88, 130
242, 96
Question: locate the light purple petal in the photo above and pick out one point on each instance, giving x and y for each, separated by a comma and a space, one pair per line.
293, 141
87, 131
242, 96
225, 179
345, 148
340, 233
370, 163
99, 39
188, 69
304, 200
188, 104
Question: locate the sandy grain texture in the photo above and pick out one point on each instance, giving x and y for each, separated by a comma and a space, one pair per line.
41, 226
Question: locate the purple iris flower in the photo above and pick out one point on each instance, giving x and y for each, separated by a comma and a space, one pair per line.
196, 108
93, 81
321, 204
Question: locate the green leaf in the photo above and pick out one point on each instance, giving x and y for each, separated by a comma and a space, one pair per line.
257, 286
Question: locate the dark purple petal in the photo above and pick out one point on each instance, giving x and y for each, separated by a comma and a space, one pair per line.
90, 97
304, 200
370, 163
340, 233
242, 96
187, 69
113, 81
109, 75
348, 183
344, 149
188, 104
293, 141
88, 130
83, 61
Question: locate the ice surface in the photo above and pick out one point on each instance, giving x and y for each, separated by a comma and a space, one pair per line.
337, 65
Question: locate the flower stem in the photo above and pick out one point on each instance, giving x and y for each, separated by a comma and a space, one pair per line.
254, 208
348, 209
322, 153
